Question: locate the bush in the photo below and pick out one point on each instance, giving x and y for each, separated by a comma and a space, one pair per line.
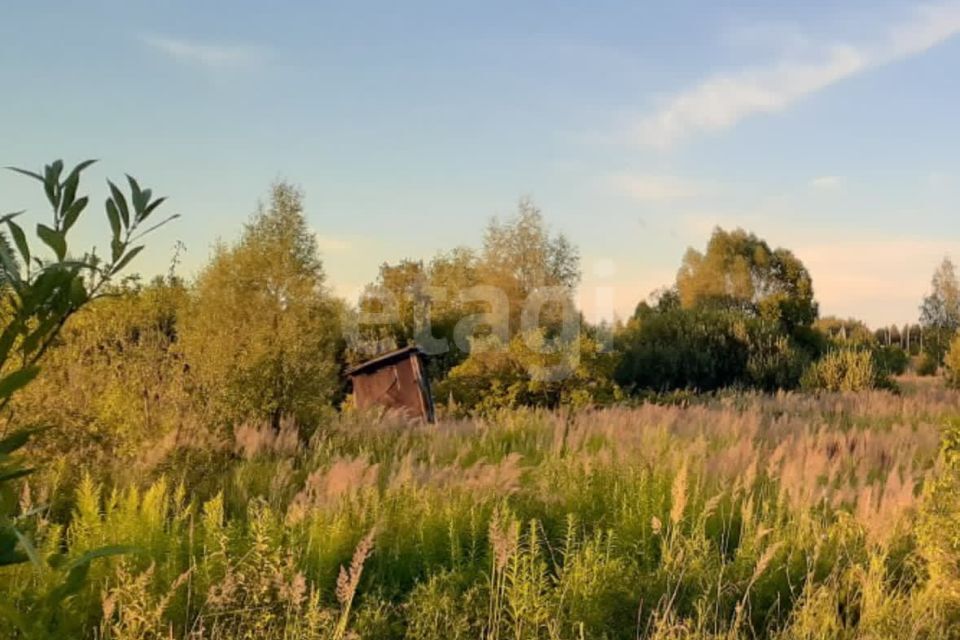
952, 363
844, 370
892, 360
706, 350
925, 365
683, 349
775, 361
40, 293
528, 371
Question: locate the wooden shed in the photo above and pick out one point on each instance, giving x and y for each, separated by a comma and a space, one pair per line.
395, 380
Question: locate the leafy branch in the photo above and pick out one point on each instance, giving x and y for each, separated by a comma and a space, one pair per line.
38, 294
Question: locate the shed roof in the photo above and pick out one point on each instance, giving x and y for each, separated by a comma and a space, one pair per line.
384, 359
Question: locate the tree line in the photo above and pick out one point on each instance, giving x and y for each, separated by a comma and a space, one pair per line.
258, 337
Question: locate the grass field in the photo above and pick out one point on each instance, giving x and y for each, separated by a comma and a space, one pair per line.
789, 516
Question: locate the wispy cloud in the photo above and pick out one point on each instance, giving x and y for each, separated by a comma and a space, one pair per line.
724, 99
333, 244
655, 187
826, 183
216, 57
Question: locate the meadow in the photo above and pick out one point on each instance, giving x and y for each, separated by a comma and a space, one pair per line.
728, 516
184, 459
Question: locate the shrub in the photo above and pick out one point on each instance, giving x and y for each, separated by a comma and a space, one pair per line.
775, 361
952, 363
530, 371
892, 360
706, 350
938, 529
42, 288
844, 370
683, 349
925, 365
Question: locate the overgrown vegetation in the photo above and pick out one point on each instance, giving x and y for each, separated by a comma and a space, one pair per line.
39, 293
755, 516
201, 427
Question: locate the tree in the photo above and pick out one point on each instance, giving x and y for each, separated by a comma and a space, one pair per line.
415, 304
520, 256
940, 311
528, 371
262, 334
412, 303
667, 348
683, 349
740, 314
846, 332
740, 271
522, 251
952, 363
390, 308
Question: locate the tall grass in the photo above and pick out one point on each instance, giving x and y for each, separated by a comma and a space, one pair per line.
740, 517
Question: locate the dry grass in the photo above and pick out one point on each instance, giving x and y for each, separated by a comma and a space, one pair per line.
734, 517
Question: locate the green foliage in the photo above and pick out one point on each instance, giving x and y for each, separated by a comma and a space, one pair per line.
845, 370
926, 365
706, 349
740, 271
261, 333
940, 311
416, 303
852, 334
848, 332
952, 363
891, 360
520, 255
939, 525
38, 296
740, 315
119, 358
531, 371
682, 349
727, 516
533, 525
14, 547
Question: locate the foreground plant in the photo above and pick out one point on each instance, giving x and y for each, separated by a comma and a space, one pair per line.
41, 287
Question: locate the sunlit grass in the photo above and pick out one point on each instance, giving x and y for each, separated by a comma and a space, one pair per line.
789, 516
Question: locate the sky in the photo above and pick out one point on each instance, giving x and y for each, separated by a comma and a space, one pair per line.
637, 127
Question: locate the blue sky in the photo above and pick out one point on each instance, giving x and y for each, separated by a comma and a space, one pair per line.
830, 129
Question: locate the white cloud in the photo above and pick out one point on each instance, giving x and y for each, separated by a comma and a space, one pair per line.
210, 56
655, 188
724, 99
933, 25
826, 183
